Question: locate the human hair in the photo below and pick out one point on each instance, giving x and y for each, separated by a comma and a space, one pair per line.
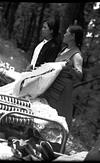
54, 24
78, 31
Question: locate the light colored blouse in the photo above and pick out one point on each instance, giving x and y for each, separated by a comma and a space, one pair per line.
37, 51
77, 62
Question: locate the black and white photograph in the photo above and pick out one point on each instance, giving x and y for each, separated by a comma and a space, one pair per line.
49, 81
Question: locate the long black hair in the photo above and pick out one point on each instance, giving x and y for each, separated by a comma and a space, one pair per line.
54, 24
78, 31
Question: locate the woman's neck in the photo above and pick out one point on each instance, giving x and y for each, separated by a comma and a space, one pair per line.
71, 45
49, 38
64, 46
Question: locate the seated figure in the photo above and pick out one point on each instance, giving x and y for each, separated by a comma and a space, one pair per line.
59, 94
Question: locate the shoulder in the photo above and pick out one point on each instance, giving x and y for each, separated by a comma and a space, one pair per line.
51, 44
77, 52
78, 56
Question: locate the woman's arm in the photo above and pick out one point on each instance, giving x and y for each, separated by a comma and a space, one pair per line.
77, 62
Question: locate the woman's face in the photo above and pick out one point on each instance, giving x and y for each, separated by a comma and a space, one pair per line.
67, 36
46, 32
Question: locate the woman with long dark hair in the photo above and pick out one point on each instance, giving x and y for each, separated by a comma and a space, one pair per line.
48, 49
59, 95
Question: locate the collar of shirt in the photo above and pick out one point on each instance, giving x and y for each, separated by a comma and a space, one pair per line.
37, 51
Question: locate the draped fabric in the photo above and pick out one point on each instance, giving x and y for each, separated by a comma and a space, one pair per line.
59, 95
36, 82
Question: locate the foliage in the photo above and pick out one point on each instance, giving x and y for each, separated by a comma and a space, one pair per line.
24, 20
21, 24
91, 44
26, 34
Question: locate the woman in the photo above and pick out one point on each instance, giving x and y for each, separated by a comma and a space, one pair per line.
59, 95
72, 41
48, 49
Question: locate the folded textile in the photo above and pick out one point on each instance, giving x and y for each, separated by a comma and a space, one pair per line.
36, 82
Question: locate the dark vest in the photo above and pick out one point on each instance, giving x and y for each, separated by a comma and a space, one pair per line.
59, 94
48, 53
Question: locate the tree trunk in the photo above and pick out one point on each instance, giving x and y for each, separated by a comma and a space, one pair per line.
11, 17
40, 22
30, 29
71, 12
37, 30
6, 11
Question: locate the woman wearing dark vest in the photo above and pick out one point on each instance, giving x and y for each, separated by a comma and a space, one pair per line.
59, 95
48, 49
